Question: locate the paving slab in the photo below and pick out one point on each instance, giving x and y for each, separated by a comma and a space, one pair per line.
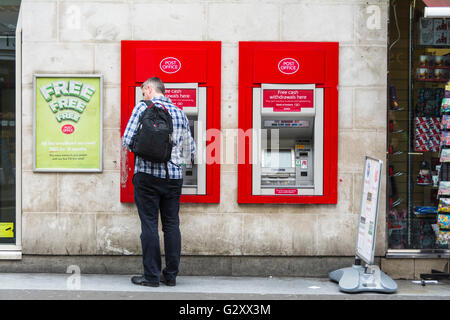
50, 286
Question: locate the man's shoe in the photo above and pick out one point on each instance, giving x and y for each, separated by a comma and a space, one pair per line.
170, 283
140, 280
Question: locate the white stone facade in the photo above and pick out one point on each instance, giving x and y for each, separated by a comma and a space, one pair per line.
81, 214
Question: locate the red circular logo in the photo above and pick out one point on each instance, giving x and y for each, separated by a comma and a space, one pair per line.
288, 66
68, 129
170, 65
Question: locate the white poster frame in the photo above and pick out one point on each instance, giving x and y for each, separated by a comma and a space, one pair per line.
37, 76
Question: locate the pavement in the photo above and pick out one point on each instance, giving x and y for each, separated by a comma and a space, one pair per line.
55, 286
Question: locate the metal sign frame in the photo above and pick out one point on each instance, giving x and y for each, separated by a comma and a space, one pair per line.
362, 233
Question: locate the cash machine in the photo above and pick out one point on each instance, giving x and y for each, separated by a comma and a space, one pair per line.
288, 153
288, 99
191, 74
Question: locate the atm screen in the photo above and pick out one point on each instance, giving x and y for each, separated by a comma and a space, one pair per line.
278, 158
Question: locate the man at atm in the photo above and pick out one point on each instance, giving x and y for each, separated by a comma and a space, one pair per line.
153, 192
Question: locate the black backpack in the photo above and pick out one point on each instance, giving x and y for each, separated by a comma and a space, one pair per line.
153, 140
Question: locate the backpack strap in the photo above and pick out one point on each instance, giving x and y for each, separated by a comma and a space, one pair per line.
149, 103
167, 171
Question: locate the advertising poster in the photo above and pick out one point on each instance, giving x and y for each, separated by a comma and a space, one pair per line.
365, 245
67, 123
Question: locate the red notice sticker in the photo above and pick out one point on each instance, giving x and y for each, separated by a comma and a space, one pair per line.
288, 66
68, 129
286, 191
170, 65
182, 98
288, 100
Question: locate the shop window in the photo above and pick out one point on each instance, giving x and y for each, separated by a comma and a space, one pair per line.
419, 69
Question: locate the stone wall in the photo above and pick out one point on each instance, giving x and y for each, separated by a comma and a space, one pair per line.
81, 214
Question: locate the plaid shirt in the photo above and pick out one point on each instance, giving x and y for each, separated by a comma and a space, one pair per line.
183, 143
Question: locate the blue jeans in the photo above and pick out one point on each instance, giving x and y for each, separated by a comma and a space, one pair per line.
153, 194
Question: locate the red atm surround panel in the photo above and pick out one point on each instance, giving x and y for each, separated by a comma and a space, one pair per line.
200, 63
319, 65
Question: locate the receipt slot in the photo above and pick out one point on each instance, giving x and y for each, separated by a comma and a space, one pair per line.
290, 156
190, 71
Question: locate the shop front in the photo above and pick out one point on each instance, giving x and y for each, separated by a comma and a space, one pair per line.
419, 53
10, 216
